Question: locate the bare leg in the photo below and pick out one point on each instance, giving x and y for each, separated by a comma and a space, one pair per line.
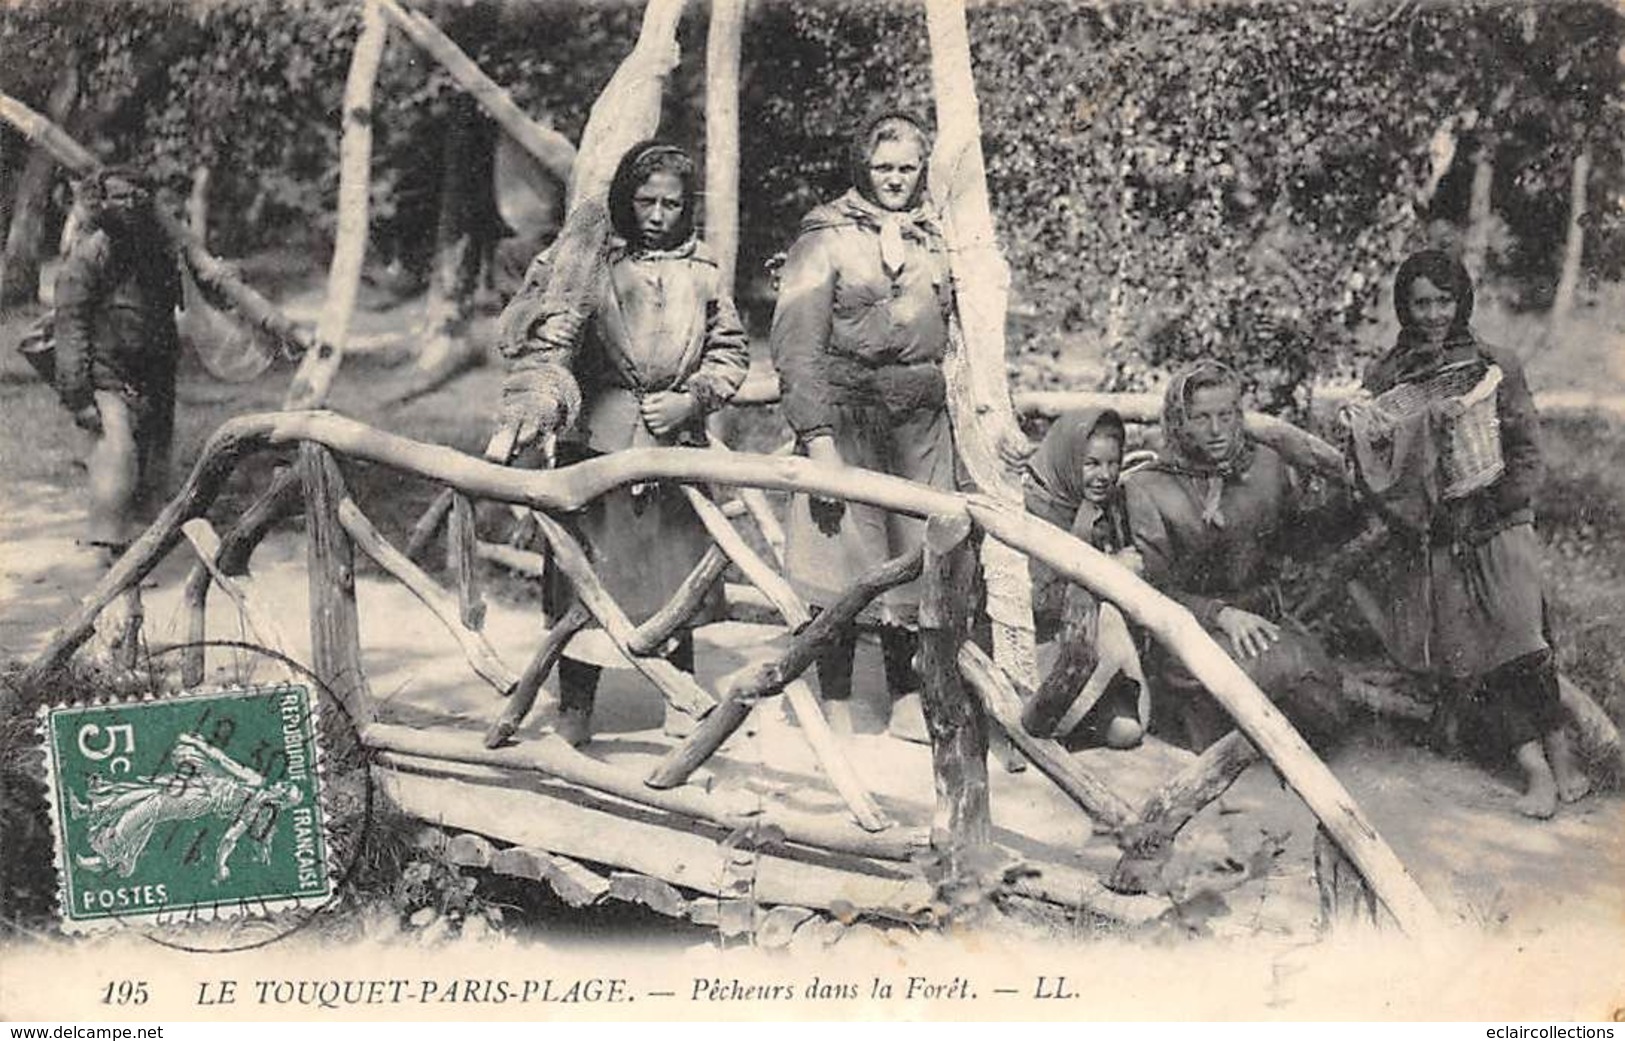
1540, 798
578, 688
1572, 782
898, 647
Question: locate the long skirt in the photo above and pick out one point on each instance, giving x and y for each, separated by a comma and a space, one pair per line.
821, 567
643, 541
1459, 611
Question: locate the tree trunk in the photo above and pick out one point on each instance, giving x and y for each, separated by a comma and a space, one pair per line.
985, 427
314, 377
1568, 280
197, 204
25, 237
1477, 247
463, 235
722, 47
628, 111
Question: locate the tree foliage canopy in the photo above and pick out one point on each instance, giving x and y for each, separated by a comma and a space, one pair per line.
1169, 179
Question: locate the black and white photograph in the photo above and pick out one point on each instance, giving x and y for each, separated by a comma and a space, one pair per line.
532, 511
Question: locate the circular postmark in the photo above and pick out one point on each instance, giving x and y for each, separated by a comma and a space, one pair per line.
210, 818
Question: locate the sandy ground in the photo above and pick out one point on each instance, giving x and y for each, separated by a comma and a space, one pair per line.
1450, 822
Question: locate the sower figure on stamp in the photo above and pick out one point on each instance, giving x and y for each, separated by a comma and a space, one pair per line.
1459, 596
662, 348
858, 338
1211, 518
117, 347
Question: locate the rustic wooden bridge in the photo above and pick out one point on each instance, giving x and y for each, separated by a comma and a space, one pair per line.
822, 821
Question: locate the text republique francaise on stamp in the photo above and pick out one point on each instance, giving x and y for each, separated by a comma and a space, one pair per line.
192, 808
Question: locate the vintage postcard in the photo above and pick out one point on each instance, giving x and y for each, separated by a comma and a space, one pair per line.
811, 510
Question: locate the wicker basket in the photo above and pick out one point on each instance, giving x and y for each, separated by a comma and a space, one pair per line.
1470, 446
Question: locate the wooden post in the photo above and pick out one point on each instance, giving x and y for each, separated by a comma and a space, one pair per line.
551, 148
953, 718
314, 377
460, 558
986, 433
722, 46
1148, 842
335, 639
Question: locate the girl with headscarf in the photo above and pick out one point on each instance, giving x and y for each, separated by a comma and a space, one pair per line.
1210, 518
858, 337
1462, 581
1072, 482
662, 348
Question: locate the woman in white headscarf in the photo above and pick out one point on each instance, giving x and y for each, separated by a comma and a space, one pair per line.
858, 338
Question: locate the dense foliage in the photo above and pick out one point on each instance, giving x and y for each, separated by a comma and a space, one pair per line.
1170, 179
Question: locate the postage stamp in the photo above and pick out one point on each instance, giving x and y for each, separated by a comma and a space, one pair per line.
200, 807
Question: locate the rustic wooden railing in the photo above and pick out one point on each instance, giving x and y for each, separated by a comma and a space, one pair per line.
965, 692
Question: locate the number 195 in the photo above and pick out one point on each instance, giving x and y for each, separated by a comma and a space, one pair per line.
125, 992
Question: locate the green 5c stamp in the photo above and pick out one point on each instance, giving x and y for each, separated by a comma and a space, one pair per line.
199, 807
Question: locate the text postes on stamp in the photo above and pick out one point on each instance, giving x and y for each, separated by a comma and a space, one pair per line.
193, 808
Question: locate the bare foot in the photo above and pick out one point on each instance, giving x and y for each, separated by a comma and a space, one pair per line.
1540, 797
908, 720
1572, 782
679, 724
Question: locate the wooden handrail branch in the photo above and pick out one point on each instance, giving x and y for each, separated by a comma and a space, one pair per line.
767, 679
278, 499
482, 657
